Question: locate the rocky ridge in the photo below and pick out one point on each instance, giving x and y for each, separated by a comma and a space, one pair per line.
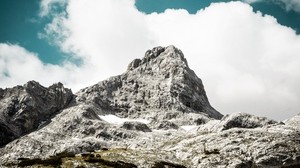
161, 80
25, 108
156, 114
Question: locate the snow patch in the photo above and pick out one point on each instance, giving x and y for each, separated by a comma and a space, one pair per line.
189, 127
117, 120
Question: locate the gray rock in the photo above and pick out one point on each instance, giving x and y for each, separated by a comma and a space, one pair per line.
134, 64
25, 108
294, 121
244, 120
201, 120
161, 80
236, 120
6, 134
159, 88
138, 126
166, 125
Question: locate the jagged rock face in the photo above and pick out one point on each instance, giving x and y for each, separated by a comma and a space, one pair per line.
161, 80
295, 121
243, 120
25, 108
270, 146
169, 124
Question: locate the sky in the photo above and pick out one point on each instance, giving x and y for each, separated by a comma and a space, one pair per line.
246, 52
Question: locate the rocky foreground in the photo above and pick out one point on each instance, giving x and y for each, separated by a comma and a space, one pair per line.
156, 114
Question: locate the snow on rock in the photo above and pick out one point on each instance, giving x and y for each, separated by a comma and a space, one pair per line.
189, 127
113, 119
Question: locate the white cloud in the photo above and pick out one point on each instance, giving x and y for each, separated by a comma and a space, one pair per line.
18, 66
49, 6
248, 62
287, 4
102, 32
292, 5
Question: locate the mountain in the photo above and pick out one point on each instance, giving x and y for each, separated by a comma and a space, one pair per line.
160, 81
25, 108
156, 114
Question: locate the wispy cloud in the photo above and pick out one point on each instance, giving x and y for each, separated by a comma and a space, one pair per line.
248, 62
252, 1
50, 6
286, 4
292, 5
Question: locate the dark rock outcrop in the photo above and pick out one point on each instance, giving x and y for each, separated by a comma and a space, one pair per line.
25, 108
138, 126
244, 120
166, 125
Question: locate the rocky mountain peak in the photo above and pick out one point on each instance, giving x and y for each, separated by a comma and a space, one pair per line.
34, 84
160, 80
170, 52
24, 108
156, 114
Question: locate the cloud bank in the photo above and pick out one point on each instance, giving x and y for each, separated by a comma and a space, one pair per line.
18, 66
248, 62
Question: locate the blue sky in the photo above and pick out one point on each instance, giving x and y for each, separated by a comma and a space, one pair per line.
21, 23
246, 52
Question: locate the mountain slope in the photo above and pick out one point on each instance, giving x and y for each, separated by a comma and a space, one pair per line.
25, 108
156, 114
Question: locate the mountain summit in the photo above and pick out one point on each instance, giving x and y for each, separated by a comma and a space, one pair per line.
161, 80
156, 114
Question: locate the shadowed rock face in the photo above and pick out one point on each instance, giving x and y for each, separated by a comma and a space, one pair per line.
138, 126
243, 120
25, 108
161, 80
163, 119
